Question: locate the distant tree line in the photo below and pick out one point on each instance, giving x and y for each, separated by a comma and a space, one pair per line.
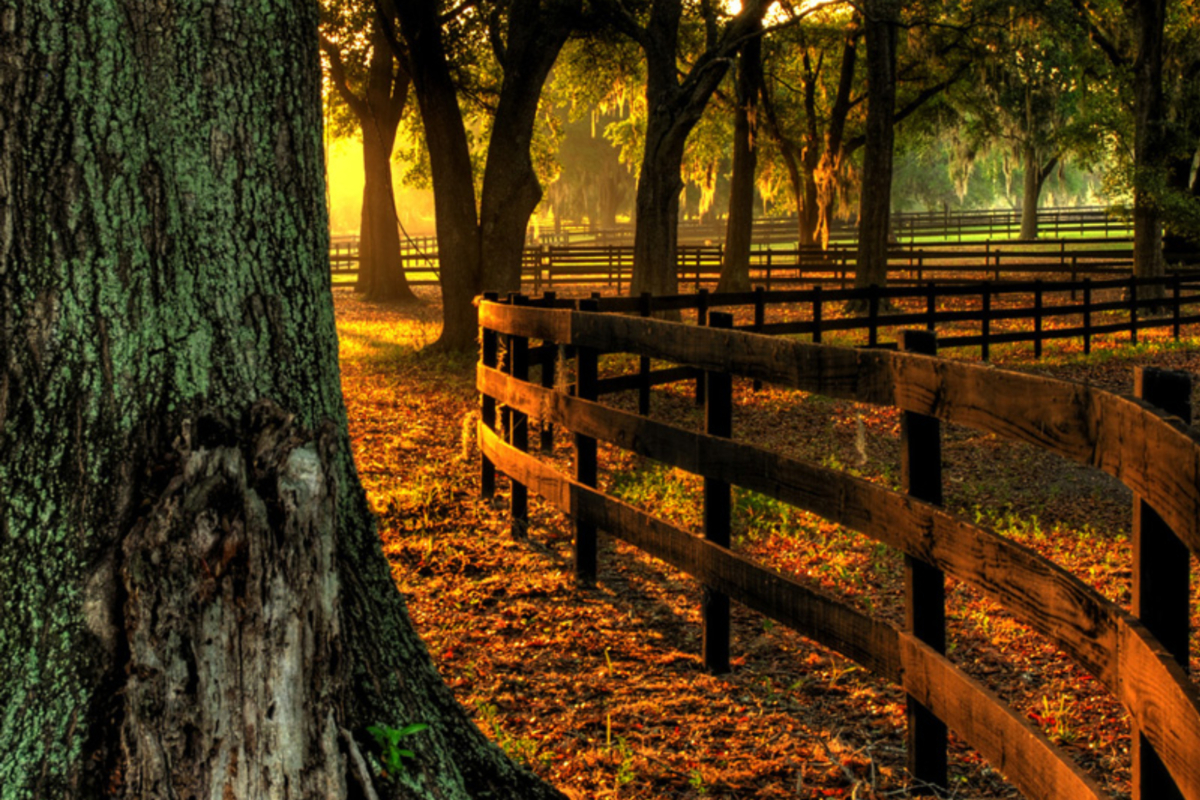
808, 104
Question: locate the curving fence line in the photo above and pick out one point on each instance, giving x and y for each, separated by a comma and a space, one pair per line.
1140, 659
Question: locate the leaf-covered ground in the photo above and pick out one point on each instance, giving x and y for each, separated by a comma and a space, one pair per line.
602, 692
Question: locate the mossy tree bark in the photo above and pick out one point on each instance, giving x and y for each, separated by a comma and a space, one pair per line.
193, 598
379, 110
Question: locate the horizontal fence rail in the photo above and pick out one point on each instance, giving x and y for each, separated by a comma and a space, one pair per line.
909, 226
1152, 453
1065, 302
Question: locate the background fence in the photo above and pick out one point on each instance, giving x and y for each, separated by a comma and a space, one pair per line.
1141, 657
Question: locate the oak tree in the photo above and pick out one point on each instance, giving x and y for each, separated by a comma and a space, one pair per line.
193, 597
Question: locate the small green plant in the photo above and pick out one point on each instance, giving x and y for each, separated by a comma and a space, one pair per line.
391, 754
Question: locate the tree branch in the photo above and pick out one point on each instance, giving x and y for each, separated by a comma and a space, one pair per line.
341, 82
923, 97
1096, 35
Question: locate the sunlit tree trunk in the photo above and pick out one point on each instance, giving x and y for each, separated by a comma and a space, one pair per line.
1031, 192
675, 106
194, 599
739, 228
381, 273
380, 268
378, 111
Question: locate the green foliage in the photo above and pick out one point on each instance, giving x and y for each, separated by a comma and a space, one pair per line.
391, 754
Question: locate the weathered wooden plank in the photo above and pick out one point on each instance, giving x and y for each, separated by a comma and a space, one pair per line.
834, 371
1022, 753
1163, 703
1087, 425
548, 324
833, 624
1123, 437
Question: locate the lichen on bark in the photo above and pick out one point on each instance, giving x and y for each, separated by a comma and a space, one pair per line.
181, 612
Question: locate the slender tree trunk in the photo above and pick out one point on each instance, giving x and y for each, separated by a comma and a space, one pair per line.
739, 229
1149, 109
1031, 193
195, 602
381, 273
875, 206
379, 110
829, 165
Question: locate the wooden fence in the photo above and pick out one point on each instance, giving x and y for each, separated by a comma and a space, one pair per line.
1058, 310
550, 267
547, 268
1140, 657
906, 226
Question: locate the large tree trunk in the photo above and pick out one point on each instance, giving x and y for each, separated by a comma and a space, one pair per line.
195, 603
875, 205
1149, 110
739, 228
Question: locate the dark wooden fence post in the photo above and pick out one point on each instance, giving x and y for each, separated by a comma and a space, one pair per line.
518, 359
701, 320
1161, 564
931, 306
760, 317
489, 345
816, 314
549, 366
587, 368
1037, 319
644, 308
924, 584
1087, 316
986, 320
718, 510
